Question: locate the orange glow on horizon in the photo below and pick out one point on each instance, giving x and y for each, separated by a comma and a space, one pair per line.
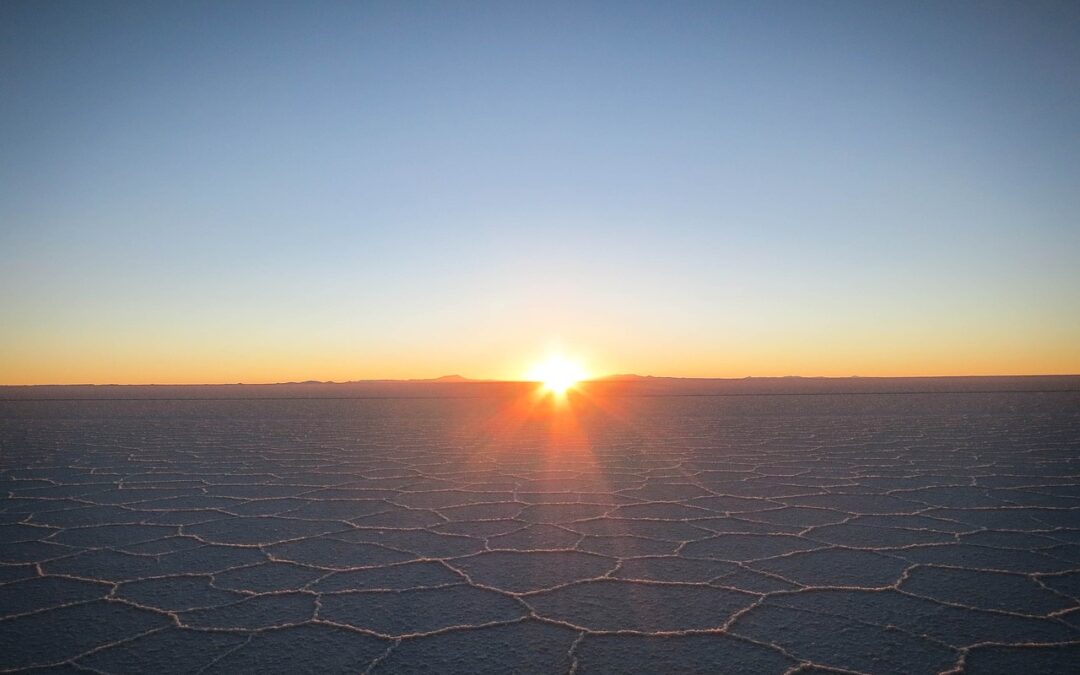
178, 357
557, 374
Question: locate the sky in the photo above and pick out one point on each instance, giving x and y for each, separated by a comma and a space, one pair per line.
260, 192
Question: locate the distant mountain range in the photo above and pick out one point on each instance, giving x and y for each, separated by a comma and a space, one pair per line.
611, 385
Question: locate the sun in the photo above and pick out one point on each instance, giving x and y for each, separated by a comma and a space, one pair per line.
557, 374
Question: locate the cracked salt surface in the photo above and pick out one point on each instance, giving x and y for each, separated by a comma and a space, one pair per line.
879, 534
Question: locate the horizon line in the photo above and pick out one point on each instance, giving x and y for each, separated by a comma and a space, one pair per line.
458, 379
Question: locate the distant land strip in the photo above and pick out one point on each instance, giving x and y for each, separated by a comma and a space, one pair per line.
634, 386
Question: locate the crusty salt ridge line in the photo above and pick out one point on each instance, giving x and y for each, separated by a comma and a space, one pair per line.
398, 531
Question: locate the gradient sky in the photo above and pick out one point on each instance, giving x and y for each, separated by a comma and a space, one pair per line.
257, 192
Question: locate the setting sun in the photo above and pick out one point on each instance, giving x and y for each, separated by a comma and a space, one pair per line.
557, 374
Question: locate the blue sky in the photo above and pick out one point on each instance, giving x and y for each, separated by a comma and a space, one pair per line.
259, 191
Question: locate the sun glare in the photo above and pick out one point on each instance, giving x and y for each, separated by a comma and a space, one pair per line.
557, 374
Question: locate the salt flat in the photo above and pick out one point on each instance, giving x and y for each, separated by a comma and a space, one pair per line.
883, 533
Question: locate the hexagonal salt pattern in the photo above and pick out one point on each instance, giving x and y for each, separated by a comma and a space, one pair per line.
882, 534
